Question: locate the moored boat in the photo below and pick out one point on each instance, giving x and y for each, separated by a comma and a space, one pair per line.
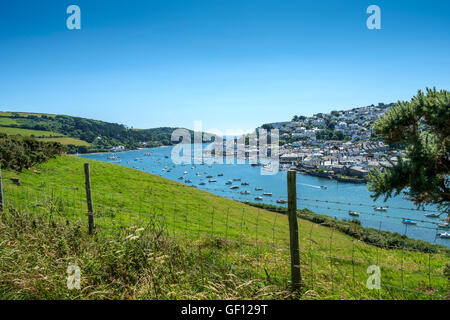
432, 215
408, 221
444, 235
353, 213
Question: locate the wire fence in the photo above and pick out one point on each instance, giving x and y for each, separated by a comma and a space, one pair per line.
248, 239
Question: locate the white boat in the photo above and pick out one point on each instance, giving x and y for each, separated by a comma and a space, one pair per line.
212, 180
267, 194
432, 215
281, 201
258, 198
258, 189
229, 182
444, 225
323, 187
185, 172
245, 192
234, 187
444, 235
380, 208
244, 183
353, 213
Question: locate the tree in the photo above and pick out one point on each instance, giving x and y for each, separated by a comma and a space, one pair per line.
422, 126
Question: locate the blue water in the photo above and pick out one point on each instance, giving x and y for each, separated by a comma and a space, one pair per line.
308, 191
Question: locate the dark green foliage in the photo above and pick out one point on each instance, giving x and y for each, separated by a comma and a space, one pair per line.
23, 152
422, 126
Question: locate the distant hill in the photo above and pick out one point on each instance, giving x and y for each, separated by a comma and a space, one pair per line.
80, 134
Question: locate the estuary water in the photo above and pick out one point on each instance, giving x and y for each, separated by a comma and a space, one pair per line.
320, 195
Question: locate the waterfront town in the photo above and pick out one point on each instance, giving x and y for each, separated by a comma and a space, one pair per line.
340, 145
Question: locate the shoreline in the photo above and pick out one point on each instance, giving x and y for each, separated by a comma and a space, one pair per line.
104, 152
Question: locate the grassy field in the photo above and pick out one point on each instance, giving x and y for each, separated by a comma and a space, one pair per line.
29, 132
213, 247
42, 135
66, 141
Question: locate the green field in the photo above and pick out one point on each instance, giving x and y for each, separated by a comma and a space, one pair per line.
213, 247
65, 141
43, 135
29, 132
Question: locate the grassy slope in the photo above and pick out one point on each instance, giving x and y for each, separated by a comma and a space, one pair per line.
333, 264
43, 135
29, 132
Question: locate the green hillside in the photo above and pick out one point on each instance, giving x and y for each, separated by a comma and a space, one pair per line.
86, 135
159, 239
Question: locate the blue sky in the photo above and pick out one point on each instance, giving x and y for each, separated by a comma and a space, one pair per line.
233, 64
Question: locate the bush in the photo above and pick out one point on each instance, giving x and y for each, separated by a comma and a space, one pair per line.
18, 152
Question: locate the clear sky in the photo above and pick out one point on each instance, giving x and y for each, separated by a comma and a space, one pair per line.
233, 64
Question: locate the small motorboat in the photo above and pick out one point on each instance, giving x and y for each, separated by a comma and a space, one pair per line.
258, 198
281, 201
212, 180
185, 172
220, 175
444, 225
234, 187
380, 208
209, 176
323, 187
237, 179
229, 182
188, 181
432, 215
258, 189
202, 183
444, 235
180, 178
244, 183
353, 213
269, 194
408, 221
245, 192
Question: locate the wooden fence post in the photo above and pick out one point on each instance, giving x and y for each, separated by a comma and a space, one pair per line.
87, 177
1, 190
296, 278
